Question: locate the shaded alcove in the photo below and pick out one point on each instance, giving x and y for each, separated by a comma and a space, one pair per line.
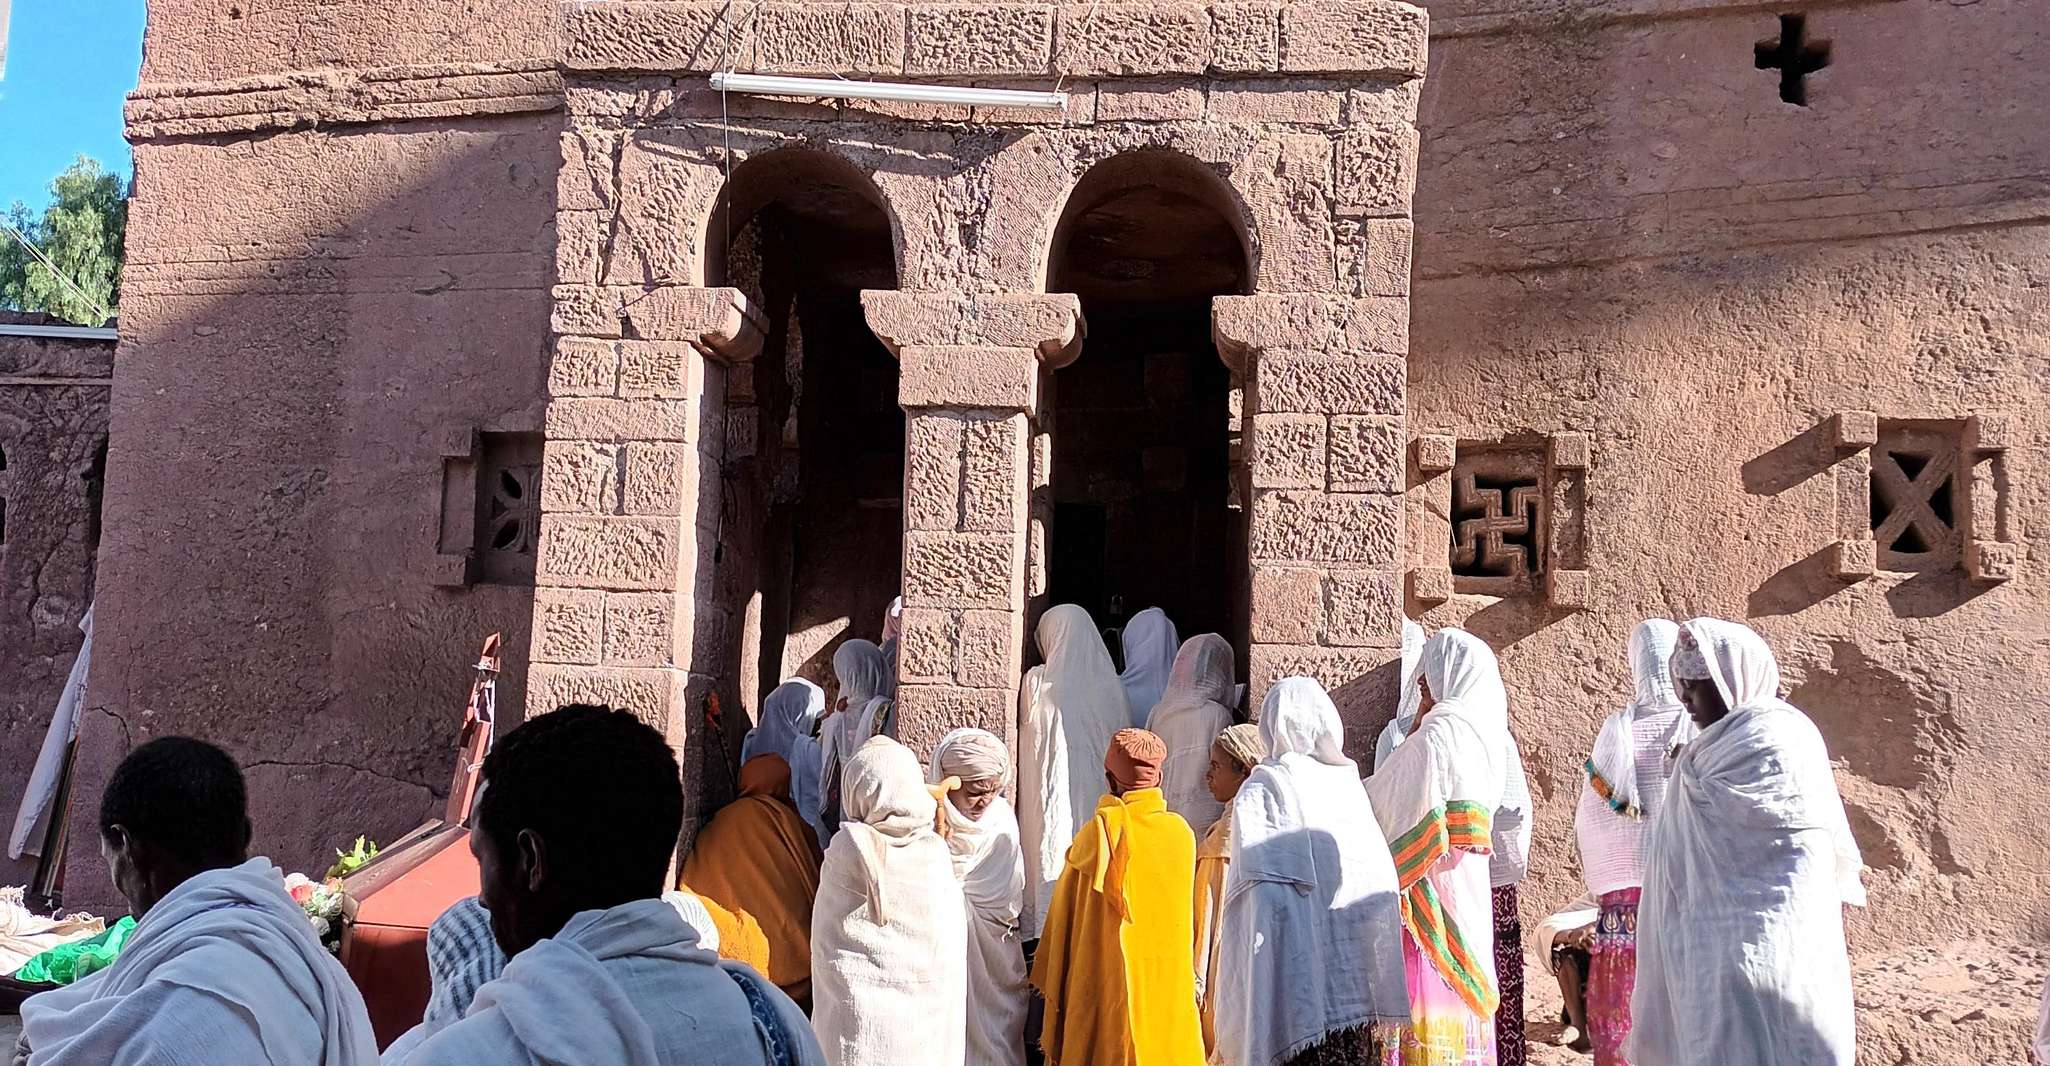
1147, 510
811, 527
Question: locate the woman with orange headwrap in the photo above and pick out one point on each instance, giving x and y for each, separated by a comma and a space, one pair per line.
1116, 959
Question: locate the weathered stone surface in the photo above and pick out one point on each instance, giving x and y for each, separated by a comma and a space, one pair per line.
993, 473
927, 713
569, 625
1302, 103
583, 367
987, 655
1245, 37
1288, 451
1356, 528
578, 477
980, 39
607, 419
660, 370
641, 628
585, 310
1311, 382
1354, 37
965, 376
1366, 454
1436, 452
932, 471
580, 247
648, 692
657, 35
659, 479
927, 644
609, 552
1377, 170
1287, 604
1374, 256
1568, 451
960, 569
1149, 101
1430, 584
1363, 608
1140, 37
1991, 562
802, 38
1048, 322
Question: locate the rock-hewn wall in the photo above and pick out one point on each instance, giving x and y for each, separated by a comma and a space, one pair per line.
1623, 230
53, 429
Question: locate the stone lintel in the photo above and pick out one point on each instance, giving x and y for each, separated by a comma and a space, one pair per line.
1049, 323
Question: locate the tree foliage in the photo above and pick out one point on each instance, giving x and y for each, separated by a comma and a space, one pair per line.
81, 233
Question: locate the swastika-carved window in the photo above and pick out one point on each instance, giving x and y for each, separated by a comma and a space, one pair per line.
508, 507
1498, 523
1915, 497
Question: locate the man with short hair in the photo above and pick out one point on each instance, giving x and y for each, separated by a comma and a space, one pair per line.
222, 967
574, 829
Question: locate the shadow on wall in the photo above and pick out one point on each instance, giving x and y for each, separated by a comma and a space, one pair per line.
283, 420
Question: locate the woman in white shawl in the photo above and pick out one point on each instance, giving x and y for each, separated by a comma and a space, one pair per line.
1310, 951
1435, 800
889, 933
1740, 941
1068, 709
1188, 717
1150, 643
1407, 695
788, 718
1622, 788
982, 835
860, 711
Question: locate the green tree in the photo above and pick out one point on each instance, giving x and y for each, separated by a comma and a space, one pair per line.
80, 233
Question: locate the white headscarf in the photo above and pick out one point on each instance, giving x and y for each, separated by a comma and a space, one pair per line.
865, 684
888, 808
1614, 764
1469, 731
1408, 698
1150, 646
1069, 709
788, 716
1310, 890
991, 866
1189, 716
1751, 847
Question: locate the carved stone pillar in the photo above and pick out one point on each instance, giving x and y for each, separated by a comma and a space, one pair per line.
1324, 404
630, 500
969, 382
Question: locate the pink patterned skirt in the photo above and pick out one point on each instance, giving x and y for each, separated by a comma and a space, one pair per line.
1612, 976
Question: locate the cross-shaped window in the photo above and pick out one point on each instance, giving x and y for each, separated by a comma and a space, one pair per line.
1794, 56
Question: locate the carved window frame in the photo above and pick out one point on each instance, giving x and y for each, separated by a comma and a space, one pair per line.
1562, 581
1980, 543
471, 461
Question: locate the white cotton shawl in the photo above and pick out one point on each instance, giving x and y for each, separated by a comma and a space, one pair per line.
1150, 644
1458, 752
788, 716
1311, 942
1740, 949
225, 968
991, 867
1616, 760
1408, 698
626, 986
889, 926
1068, 709
1189, 716
866, 685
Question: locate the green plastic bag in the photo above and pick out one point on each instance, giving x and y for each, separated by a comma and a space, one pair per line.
66, 963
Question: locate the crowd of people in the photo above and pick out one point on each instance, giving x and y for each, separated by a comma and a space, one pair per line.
1172, 886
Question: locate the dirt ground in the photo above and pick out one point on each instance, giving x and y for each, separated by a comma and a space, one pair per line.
1966, 1004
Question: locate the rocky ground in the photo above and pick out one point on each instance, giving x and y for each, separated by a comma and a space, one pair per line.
1966, 1004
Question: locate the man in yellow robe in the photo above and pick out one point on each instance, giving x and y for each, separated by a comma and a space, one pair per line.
1116, 963
756, 869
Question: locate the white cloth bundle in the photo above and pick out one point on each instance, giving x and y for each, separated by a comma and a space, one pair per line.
991, 866
1740, 943
1068, 709
889, 926
1189, 716
225, 968
625, 986
1150, 644
1311, 942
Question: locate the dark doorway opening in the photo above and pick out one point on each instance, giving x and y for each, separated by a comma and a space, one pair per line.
1145, 509
815, 504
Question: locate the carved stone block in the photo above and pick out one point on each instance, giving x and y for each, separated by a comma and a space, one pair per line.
1431, 584
1435, 453
1851, 430
1568, 590
1990, 562
1852, 560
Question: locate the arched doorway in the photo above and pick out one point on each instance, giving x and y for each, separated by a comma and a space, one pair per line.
814, 479
1147, 508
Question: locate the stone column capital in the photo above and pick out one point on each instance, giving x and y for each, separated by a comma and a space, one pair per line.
1050, 323
719, 322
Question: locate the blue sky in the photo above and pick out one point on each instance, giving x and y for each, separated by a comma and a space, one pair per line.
69, 64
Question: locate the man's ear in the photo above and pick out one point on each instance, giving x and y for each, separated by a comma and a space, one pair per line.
533, 868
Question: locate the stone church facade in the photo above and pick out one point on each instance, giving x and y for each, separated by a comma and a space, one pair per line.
1538, 318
